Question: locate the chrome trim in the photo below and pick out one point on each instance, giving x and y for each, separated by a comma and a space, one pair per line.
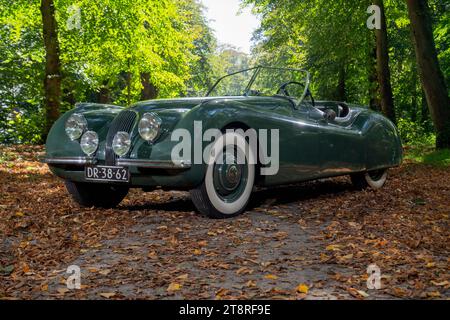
155, 164
70, 160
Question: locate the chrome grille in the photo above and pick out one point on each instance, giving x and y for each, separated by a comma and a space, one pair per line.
124, 121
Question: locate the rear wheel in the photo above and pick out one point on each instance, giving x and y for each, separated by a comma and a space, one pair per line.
96, 195
372, 179
228, 183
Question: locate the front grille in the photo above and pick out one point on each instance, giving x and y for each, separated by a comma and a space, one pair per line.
124, 121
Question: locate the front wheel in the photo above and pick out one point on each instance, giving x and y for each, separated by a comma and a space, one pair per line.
229, 178
96, 195
372, 179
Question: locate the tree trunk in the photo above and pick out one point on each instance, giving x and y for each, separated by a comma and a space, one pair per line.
52, 81
374, 86
425, 114
67, 98
341, 89
384, 75
149, 90
430, 73
104, 96
414, 98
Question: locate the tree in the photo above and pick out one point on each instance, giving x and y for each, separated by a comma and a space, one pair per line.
52, 81
384, 75
431, 75
329, 38
111, 52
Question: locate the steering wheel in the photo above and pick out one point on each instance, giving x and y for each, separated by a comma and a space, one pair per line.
283, 90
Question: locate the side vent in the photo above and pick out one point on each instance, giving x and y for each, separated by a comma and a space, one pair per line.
124, 121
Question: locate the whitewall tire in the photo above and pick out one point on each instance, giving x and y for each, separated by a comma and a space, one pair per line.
372, 179
228, 183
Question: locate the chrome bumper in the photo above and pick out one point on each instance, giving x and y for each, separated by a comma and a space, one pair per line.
142, 163
161, 164
80, 161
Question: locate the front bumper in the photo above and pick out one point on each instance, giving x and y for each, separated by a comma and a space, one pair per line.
167, 174
140, 163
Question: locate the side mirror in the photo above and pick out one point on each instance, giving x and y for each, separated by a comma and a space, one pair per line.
329, 115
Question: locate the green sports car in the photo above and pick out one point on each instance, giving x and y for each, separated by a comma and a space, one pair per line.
256, 127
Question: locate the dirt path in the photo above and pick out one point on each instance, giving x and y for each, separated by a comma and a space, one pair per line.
320, 235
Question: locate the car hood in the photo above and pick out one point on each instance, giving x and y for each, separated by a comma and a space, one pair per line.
178, 103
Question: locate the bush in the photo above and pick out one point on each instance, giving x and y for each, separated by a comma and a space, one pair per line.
415, 134
22, 126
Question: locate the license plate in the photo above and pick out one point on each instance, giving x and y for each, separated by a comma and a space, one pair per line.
107, 173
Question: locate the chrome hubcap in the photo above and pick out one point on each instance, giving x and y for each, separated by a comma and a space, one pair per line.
227, 174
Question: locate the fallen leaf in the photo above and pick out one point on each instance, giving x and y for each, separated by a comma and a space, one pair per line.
183, 276
357, 293
62, 291
202, 243
434, 294
105, 272
271, 277
302, 288
244, 270
333, 247
174, 287
225, 266
250, 283
363, 293
440, 284
221, 292
25, 268
107, 295
347, 257
400, 292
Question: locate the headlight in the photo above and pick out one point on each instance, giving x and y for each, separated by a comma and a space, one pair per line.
121, 143
89, 142
149, 126
76, 124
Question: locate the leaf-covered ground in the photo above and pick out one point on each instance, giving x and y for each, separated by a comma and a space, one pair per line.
311, 241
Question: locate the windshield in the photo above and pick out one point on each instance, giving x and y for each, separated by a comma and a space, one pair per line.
263, 81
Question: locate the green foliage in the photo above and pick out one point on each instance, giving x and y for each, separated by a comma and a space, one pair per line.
21, 73
24, 127
428, 155
113, 44
171, 40
332, 41
439, 157
329, 38
413, 133
229, 60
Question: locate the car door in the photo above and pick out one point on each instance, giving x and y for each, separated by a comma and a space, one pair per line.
339, 143
299, 151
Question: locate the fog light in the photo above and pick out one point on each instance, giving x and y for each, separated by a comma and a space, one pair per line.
121, 143
89, 143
